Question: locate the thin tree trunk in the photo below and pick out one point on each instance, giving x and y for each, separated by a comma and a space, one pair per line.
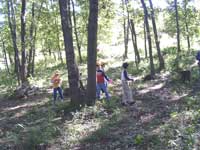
10, 58
134, 39
58, 37
12, 26
126, 30
177, 36
34, 52
76, 33
149, 39
57, 34
73, 72
49, 49
188, 37
32, 27
34, 40
54, 56
91, 51
186, 24
5, 57
145, 40
177, 27
134, 45
23, 46
161, 60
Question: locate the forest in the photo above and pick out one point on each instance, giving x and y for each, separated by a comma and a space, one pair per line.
99, 75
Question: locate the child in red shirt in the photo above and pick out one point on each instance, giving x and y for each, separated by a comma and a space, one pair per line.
101, 79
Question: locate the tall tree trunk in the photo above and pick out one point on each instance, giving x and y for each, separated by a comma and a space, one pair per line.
134, 39
54, 56
76, 33
34, 41
161, 60
57, 34
149, 38
73, 72
5, 57
145, 40
177, 36
32, 28
91, 51
49, 49
33, 60
125, 27
58, 38
10, 57
23, 45
177, 27
12, 26
186, 24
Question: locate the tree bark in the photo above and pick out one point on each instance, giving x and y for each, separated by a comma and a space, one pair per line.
161, 60
186, 24
34, 40
57, 34
177, 27
23, 45
76, 33
91, 51
148, 38
12, 26
58, 37
134, 39
32, 28
5, 57
145, 40
10, 58
125, 27
73, 72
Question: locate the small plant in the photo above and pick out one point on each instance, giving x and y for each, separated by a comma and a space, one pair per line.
139, 139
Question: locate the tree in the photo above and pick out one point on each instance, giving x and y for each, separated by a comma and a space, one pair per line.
73, 72
177, 28
148, 38
76, 33
134, 40
32, 45
5, 55
145, 38
91, 51
126, 29
12, 26
23, 45
161, 60
186, 23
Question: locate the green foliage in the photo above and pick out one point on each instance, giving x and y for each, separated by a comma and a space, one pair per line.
138, 139
42, 131
102, 133
8, 83
187, 15
37, 135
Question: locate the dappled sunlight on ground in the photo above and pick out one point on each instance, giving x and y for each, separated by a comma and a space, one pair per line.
151, 88
26, 105
147, 118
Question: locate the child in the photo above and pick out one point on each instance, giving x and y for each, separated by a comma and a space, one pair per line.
127, 92
101, 79
106, 81
56, 81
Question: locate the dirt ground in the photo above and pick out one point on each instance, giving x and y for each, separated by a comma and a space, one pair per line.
155, 101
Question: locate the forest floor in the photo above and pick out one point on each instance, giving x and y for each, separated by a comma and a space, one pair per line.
156, 121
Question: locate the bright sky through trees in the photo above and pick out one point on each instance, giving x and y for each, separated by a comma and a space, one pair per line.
156, 3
